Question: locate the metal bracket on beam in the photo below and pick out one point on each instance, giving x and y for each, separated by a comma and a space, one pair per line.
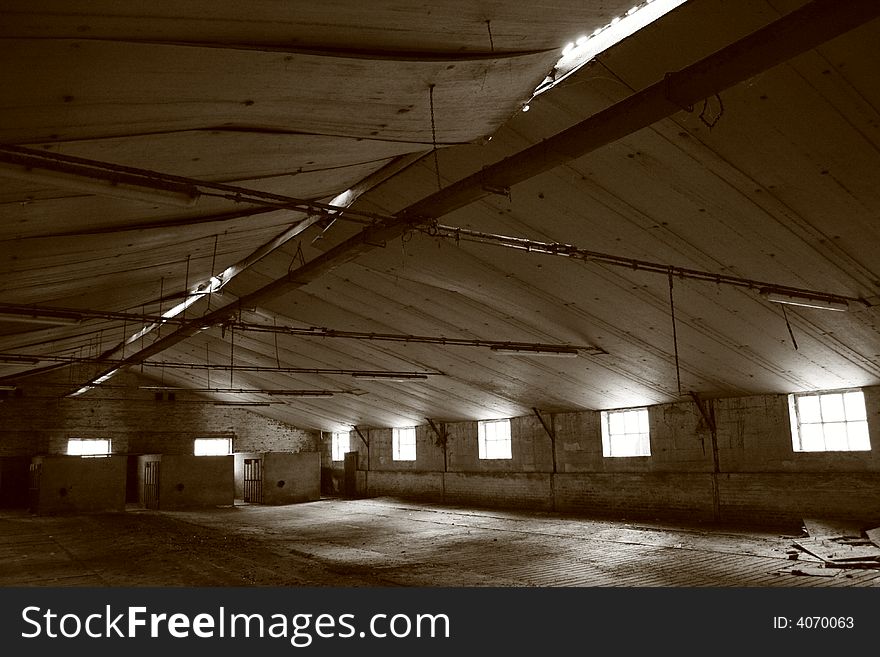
495, 189
549, 431
670, 79
552, 434
364, 440
367, 237
441, 435
707, 416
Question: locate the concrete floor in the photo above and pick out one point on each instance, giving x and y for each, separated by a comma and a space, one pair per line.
388, 542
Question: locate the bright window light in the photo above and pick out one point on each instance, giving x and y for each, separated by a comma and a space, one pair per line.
212, 446
403, 444
587, 47
494, 439
833, 421
626, 433
339, 445
88, 447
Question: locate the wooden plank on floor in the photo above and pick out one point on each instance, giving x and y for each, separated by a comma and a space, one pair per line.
832, 552
812, 571
830, 527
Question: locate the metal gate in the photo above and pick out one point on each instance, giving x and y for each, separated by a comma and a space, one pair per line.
35, 473
253, 481
151, 484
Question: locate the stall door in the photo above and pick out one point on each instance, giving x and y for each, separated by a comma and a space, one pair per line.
151, 484
253, 481
34, 475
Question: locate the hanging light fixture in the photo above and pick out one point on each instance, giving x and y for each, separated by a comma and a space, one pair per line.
560, 352
391, 376
822, 303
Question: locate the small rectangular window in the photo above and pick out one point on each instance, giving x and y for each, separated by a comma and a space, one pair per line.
403, 444
626, 433
494, 439
339, 445
88, 447
212, 446
832, 421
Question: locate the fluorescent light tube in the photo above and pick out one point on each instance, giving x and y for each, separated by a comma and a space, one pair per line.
388, 377
526, 351
804, 301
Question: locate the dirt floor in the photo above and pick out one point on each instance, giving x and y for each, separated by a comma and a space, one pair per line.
388, 542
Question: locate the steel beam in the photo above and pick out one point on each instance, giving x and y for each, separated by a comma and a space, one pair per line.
793, 34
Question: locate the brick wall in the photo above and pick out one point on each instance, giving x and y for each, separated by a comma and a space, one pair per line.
137, 423
778, 496
500, 489
682, 495
411, 485
759, 477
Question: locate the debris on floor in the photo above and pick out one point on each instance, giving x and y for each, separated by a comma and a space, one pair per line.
828, 528
811, 571
838, 544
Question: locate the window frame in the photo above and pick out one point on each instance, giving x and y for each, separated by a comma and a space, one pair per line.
795, 412
336, 445
484, 443
609, 437
89, 441
213, 440
403, 444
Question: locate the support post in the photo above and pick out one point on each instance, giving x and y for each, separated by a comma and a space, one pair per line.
442, 436
707, 410
366, 443
552, 433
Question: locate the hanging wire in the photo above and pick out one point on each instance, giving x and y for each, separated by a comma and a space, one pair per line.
434, 136
297, 256
674, 333
277, 357
208, 361
143, 335
788, 324
231, 353
405, 237
185, 287
491, 41
161, 297
213, 264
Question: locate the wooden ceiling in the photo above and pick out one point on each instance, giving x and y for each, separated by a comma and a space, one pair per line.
775, 179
